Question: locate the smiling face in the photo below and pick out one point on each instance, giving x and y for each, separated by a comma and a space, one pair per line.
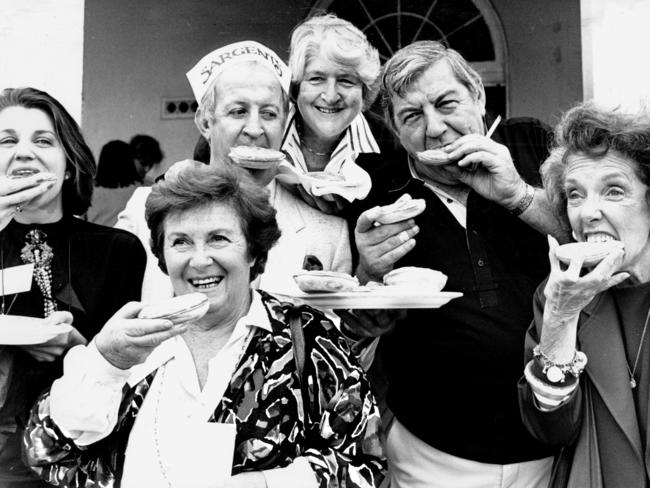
206, 251
329, 98
28, 141
436, 110
607, 200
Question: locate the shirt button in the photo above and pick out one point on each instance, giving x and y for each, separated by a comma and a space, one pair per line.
481, 263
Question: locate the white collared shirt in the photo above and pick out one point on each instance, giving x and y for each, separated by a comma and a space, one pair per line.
85, 401
356, 139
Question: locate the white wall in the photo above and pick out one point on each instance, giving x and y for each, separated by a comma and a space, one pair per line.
139, 51
616, 41
544, 56
41, 45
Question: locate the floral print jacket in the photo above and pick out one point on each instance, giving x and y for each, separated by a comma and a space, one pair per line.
332, 420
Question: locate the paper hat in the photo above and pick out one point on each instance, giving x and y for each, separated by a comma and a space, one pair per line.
205, 71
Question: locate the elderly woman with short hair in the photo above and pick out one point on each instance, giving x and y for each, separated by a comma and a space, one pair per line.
587, 380
335, 76
146, 394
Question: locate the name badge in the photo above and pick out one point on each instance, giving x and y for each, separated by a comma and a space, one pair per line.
16, 279
203, 455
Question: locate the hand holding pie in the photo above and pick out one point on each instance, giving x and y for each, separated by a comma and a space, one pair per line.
404, 208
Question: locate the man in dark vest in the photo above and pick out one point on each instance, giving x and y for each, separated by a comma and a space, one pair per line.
452, 372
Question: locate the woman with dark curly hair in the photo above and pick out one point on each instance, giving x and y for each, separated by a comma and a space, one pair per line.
81, 272
256, 393
587, 380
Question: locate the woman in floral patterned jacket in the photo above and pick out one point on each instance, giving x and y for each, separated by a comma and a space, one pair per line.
219, 401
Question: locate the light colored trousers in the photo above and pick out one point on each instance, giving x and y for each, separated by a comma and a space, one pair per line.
414, 464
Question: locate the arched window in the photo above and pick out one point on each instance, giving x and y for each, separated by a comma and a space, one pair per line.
469, 26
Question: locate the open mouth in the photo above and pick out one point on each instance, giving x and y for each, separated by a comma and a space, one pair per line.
205, 283
327, 110
599, 237
23, 172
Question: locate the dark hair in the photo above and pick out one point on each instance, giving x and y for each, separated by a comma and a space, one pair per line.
146, 149
77, 190
115, 168
594, 131
191, 184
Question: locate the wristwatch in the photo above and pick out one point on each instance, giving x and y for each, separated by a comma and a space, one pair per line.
556, 373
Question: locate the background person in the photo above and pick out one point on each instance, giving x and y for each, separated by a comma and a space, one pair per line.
148, 158
335, 76
480, 229
82, 272
598, 177
211, 230
115, 182
244, 102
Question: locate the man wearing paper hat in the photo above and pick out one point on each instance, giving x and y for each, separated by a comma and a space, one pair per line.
242, 92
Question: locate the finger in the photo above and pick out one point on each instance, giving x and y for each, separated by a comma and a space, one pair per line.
59, 317
10, 186
144, 327
617, 279
573, 271
367, 219
478, 158
389, 258
401, 238
552, 256
21, 197
156, 338
384, 232
129, 310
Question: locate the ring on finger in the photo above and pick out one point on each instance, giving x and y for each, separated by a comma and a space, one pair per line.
19, 208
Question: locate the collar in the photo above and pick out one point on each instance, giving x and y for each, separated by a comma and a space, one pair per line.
357, 139
430, 185
256, 317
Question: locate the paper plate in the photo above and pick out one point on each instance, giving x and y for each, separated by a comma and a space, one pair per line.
21, 330
379, 298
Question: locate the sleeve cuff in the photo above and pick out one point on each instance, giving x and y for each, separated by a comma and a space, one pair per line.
84, 401
297, 475
548, 397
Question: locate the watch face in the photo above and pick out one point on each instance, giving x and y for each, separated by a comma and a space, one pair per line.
554, 374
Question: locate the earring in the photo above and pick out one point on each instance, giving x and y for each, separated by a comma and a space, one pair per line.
67, 175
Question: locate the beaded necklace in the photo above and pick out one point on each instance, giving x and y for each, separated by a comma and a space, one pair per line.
38, 252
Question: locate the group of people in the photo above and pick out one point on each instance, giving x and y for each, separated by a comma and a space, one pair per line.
537, 376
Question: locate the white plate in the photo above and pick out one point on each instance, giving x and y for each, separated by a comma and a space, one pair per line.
379, 298
20, 330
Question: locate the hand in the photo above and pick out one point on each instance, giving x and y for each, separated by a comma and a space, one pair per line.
333, 206
253, 479
370, 323
57, 346
486, 166
126, 340
567, 293
380, 247
16, 192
